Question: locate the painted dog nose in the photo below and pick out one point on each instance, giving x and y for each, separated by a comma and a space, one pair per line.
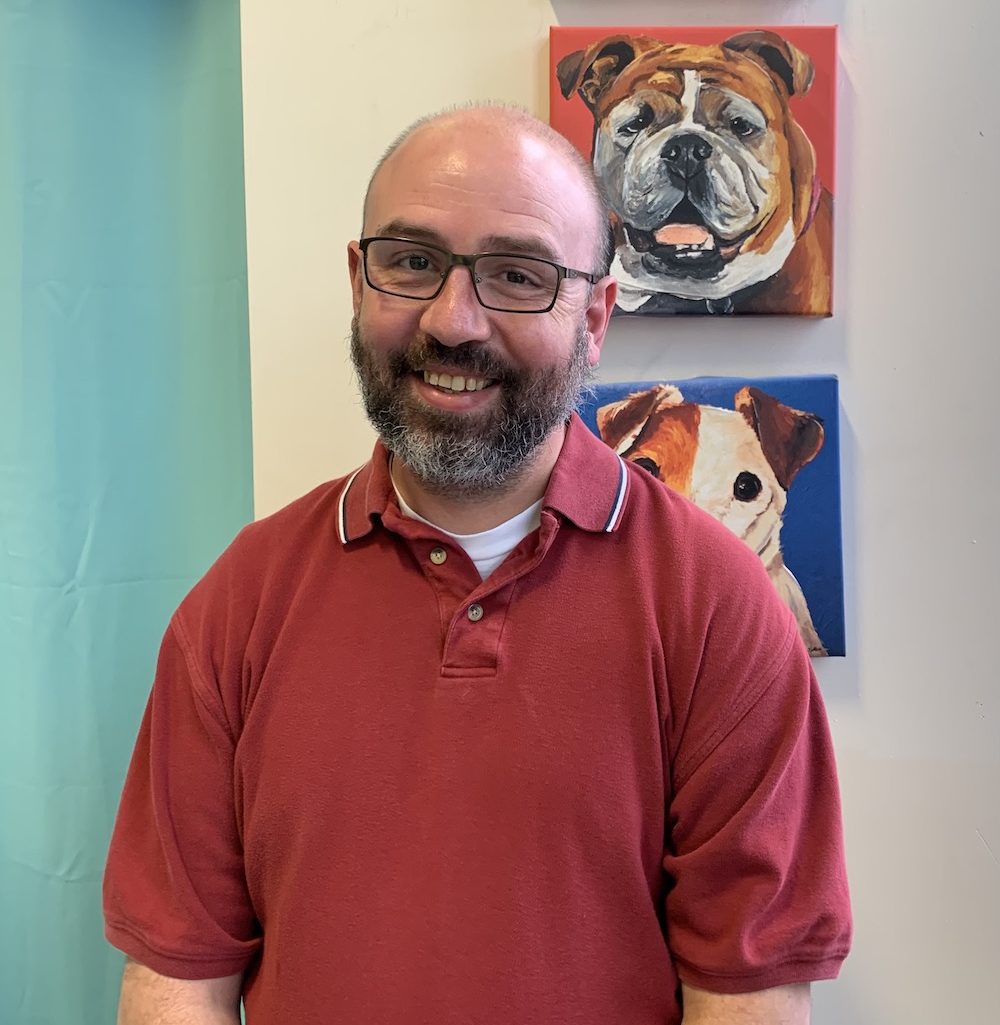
685, 155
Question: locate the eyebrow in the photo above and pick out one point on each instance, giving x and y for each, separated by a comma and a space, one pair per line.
528, 245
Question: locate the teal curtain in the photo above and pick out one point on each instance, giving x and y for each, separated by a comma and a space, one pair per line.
125, 461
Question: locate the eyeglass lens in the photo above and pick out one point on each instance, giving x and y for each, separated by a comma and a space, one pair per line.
504, 282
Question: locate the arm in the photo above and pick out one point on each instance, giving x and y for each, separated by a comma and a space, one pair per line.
148, 998
783, 1005
176, 897
757, 895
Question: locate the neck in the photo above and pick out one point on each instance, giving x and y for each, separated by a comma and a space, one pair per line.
472, 514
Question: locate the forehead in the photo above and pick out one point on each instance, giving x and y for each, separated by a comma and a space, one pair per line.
471, 181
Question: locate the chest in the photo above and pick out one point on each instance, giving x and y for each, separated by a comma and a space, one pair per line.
408, 710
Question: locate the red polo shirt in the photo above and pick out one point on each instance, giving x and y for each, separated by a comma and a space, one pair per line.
391, 792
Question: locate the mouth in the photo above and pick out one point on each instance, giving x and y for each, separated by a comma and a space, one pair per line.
683, 245
455, 383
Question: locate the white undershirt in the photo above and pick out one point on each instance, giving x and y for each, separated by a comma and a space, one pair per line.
488, 548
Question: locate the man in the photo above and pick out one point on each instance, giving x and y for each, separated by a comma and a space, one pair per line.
495, 729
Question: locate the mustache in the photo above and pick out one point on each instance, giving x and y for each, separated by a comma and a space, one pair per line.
468, 356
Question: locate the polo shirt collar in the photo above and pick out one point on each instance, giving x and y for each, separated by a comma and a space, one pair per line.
589, 483
364, 496
588, 486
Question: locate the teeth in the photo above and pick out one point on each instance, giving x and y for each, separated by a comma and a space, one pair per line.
456, 383
694, 247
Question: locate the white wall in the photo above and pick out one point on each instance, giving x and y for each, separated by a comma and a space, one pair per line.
914, 706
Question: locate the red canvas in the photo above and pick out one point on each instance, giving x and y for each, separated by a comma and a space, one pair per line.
715, 149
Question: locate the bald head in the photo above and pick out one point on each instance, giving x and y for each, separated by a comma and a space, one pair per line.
509, 125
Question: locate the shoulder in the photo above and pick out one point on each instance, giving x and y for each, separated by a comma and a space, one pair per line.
703, 556
267, 556
298, 526
725, 630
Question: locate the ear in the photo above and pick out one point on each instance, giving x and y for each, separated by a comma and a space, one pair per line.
598, 315
786, 63
788, 437
355, 267
619, 423
591, 71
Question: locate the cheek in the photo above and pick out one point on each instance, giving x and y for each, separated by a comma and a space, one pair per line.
541, 341
385, 323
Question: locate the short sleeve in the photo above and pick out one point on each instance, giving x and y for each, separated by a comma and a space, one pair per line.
175, 892
757, 892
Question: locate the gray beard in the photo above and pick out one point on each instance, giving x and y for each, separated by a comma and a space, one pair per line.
467, 454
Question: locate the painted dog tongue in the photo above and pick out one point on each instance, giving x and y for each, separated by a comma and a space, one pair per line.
682, 235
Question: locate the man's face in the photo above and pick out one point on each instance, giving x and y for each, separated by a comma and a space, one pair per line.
470, 188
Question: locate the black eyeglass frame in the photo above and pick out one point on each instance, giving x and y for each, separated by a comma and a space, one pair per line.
469, 260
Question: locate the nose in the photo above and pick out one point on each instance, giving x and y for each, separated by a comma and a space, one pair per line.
455, 315
685, 155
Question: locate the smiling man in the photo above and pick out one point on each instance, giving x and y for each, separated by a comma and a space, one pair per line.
495, 728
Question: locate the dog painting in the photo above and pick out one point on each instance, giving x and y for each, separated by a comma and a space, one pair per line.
736, 448
714, 150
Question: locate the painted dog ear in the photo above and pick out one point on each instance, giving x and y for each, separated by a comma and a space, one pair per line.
788, 437
786, 63
619, 423
591, 71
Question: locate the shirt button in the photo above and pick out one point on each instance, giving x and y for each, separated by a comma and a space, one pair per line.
475, 613
438, 556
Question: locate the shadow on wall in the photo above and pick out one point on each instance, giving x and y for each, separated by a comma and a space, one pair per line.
696, 12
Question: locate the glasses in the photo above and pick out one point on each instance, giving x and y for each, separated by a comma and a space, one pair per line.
506, 282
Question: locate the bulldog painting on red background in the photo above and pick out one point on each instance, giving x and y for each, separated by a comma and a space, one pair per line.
715, 150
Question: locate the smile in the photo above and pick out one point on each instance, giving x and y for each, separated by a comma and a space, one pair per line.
456, 383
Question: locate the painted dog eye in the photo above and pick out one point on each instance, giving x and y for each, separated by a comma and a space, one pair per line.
642, 120
747, 487
648, 465
742, 127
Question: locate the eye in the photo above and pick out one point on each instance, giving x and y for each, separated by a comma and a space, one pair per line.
517, 277
742, 127
636, 124
648, 465
405, 260
502, 271
746, 487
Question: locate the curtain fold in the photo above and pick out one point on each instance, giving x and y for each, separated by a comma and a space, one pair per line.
125, 451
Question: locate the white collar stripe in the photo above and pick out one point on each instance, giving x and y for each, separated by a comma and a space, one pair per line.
619, 499
342, 508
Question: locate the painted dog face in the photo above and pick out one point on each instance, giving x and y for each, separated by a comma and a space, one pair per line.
735, 464
707, 174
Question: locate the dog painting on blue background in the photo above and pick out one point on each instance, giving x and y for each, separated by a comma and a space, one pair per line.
736, 449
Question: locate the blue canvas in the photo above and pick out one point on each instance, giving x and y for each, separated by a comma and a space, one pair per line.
684, 432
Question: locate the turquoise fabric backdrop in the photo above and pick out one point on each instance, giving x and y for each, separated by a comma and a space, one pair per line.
125, 462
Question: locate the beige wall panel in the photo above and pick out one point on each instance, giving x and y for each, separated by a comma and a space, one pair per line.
326, 86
